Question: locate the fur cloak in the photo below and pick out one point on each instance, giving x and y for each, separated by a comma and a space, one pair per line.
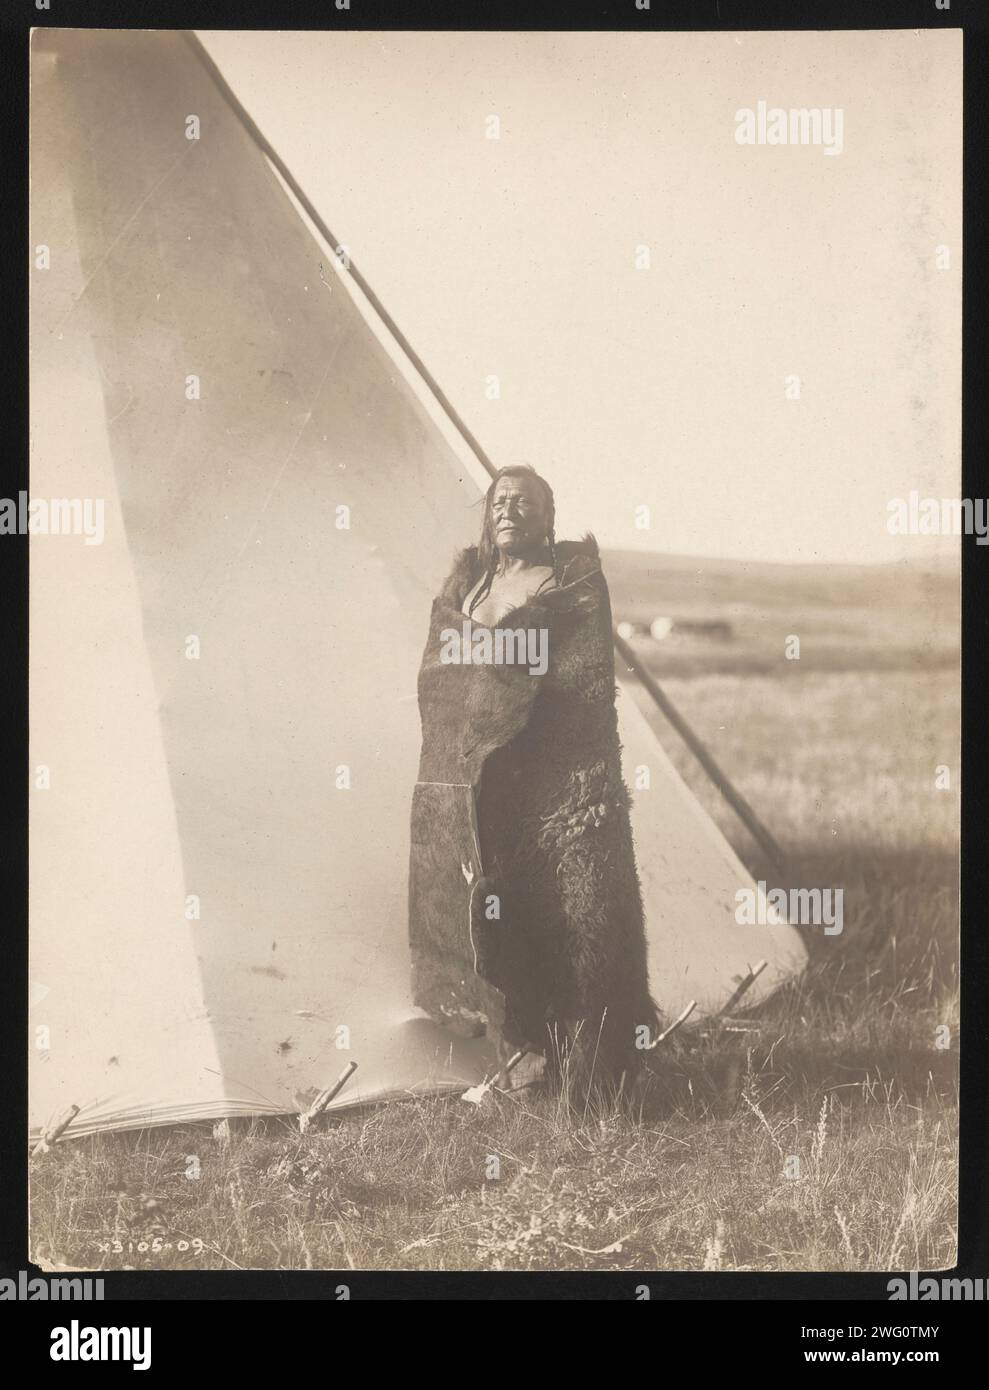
525, 913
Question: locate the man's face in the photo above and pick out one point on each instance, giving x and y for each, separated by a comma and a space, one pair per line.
518, 512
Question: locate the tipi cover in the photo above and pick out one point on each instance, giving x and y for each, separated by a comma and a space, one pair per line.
224, 731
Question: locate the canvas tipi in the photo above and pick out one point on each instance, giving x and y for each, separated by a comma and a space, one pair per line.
224, 731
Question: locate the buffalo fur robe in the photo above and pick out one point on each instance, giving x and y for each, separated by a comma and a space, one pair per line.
525, 914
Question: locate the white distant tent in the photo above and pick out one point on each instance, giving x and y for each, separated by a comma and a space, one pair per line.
200, 364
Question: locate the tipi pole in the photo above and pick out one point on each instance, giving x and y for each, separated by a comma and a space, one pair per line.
734, 799
730, 793
269, 151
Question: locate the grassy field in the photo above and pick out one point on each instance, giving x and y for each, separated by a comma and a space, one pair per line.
818, 1133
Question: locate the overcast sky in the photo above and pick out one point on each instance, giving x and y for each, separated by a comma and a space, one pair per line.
662, 387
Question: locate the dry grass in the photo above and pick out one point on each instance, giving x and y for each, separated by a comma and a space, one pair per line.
738, 1158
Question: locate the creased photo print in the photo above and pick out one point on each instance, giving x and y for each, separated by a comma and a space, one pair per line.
495, 526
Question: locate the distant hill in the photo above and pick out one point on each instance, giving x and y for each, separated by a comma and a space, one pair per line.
848, 617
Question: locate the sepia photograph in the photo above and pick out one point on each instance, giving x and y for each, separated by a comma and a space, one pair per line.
495, 530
